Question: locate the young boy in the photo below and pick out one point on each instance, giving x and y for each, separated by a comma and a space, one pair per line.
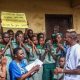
61, 65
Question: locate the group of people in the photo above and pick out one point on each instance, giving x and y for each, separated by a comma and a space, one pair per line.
59, 54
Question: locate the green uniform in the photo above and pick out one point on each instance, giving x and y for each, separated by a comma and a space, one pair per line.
2, 46
41, 52
49, 66
32, 58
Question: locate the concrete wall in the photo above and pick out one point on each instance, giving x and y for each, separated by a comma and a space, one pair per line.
35, 11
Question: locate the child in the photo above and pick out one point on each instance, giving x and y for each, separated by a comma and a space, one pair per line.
61, 65
49, 60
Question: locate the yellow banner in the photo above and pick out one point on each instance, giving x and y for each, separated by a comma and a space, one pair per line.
13, 20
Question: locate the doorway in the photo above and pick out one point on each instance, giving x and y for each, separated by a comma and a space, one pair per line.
57, 23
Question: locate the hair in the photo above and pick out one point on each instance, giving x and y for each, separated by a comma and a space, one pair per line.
10, 31
59, 34
61, 57
39, 35
47, 40
15, 50
33, 36
73, 34
18, 33
29, 31
4, 34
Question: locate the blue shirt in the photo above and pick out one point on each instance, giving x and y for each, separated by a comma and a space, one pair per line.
16, 70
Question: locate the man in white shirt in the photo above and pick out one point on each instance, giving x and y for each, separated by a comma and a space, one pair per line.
72, 67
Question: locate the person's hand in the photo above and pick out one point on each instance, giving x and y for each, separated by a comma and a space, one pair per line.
35, 68
3, 61
57, 50
60, 46
58, 70
55, 71
9, 42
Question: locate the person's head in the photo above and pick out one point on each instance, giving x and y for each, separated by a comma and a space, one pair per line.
71, 37
1, 40
26, 39
40, 35
58, 37
6, 37
48, 40
18, 54
19, 36
34, 39
62, 61
30, 33
41, 41
48, 43
11, 33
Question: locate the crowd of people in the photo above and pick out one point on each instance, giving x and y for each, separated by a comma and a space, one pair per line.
59, 54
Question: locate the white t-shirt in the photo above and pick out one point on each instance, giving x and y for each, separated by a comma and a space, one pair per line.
72, 61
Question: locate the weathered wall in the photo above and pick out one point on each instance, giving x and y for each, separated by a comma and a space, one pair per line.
35, 11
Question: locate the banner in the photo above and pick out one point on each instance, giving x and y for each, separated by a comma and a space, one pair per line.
13, 20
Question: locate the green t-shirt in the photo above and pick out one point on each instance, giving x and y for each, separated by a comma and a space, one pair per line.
48, 58
32, 56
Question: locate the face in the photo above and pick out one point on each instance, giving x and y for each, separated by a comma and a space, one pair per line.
6, 38
62, 62
35, 41
20, 55
30, 33
41, 41
59, 38
20, 37
11, 35
68, 39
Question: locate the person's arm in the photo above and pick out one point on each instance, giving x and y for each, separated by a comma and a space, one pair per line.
27, 49
33, 70
6, 47
53, 56
11, 49
43, 56
3, 64
73, 72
